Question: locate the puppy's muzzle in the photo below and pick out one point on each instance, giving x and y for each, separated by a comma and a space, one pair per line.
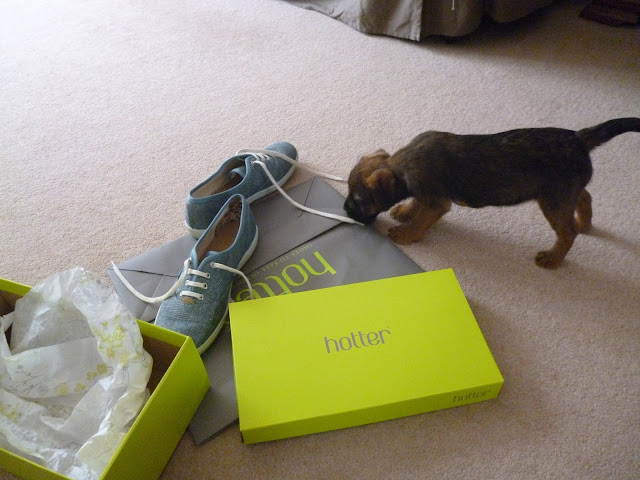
355, 211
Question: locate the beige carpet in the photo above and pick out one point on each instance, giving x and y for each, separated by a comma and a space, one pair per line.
112, 110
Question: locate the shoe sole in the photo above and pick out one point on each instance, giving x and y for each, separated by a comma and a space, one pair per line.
197, 233
216, 332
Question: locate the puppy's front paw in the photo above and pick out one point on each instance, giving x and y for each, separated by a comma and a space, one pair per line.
402, 212
403, 235
548, 259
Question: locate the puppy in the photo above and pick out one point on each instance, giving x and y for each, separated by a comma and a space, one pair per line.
549, 165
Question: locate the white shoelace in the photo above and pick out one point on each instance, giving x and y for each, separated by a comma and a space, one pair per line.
263, 155
182, 279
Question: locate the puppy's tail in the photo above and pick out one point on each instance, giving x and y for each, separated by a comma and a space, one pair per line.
595, 136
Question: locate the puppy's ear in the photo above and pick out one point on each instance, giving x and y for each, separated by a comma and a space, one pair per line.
380, 155
381, 180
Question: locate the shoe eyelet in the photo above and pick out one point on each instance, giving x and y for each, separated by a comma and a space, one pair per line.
201, 297
208, 275
205, 285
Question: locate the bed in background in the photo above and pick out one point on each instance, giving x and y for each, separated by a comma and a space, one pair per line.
417, 19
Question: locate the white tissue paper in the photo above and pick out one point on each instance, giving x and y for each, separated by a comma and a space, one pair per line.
75, 376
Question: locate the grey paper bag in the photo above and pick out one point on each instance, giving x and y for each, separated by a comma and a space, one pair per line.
296, 251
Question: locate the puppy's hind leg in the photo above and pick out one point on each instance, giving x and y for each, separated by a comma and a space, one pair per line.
423, 216
583, 212
560, 215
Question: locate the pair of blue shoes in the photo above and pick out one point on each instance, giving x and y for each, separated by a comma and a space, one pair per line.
218, 214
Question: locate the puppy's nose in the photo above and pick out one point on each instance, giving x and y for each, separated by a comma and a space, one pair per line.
353, 210
349, 206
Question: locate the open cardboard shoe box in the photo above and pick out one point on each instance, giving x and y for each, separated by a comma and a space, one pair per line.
177, 384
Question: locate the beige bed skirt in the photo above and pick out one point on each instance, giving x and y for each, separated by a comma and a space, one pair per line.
417, 19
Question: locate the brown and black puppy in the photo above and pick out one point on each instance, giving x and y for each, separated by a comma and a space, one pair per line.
549, 165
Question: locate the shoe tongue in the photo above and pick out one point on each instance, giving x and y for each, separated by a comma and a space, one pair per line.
195, 261
238, 172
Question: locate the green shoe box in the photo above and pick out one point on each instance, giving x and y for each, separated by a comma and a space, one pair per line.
356, 354
178, 383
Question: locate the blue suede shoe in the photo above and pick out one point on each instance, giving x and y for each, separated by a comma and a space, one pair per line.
200, 304
241, 174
